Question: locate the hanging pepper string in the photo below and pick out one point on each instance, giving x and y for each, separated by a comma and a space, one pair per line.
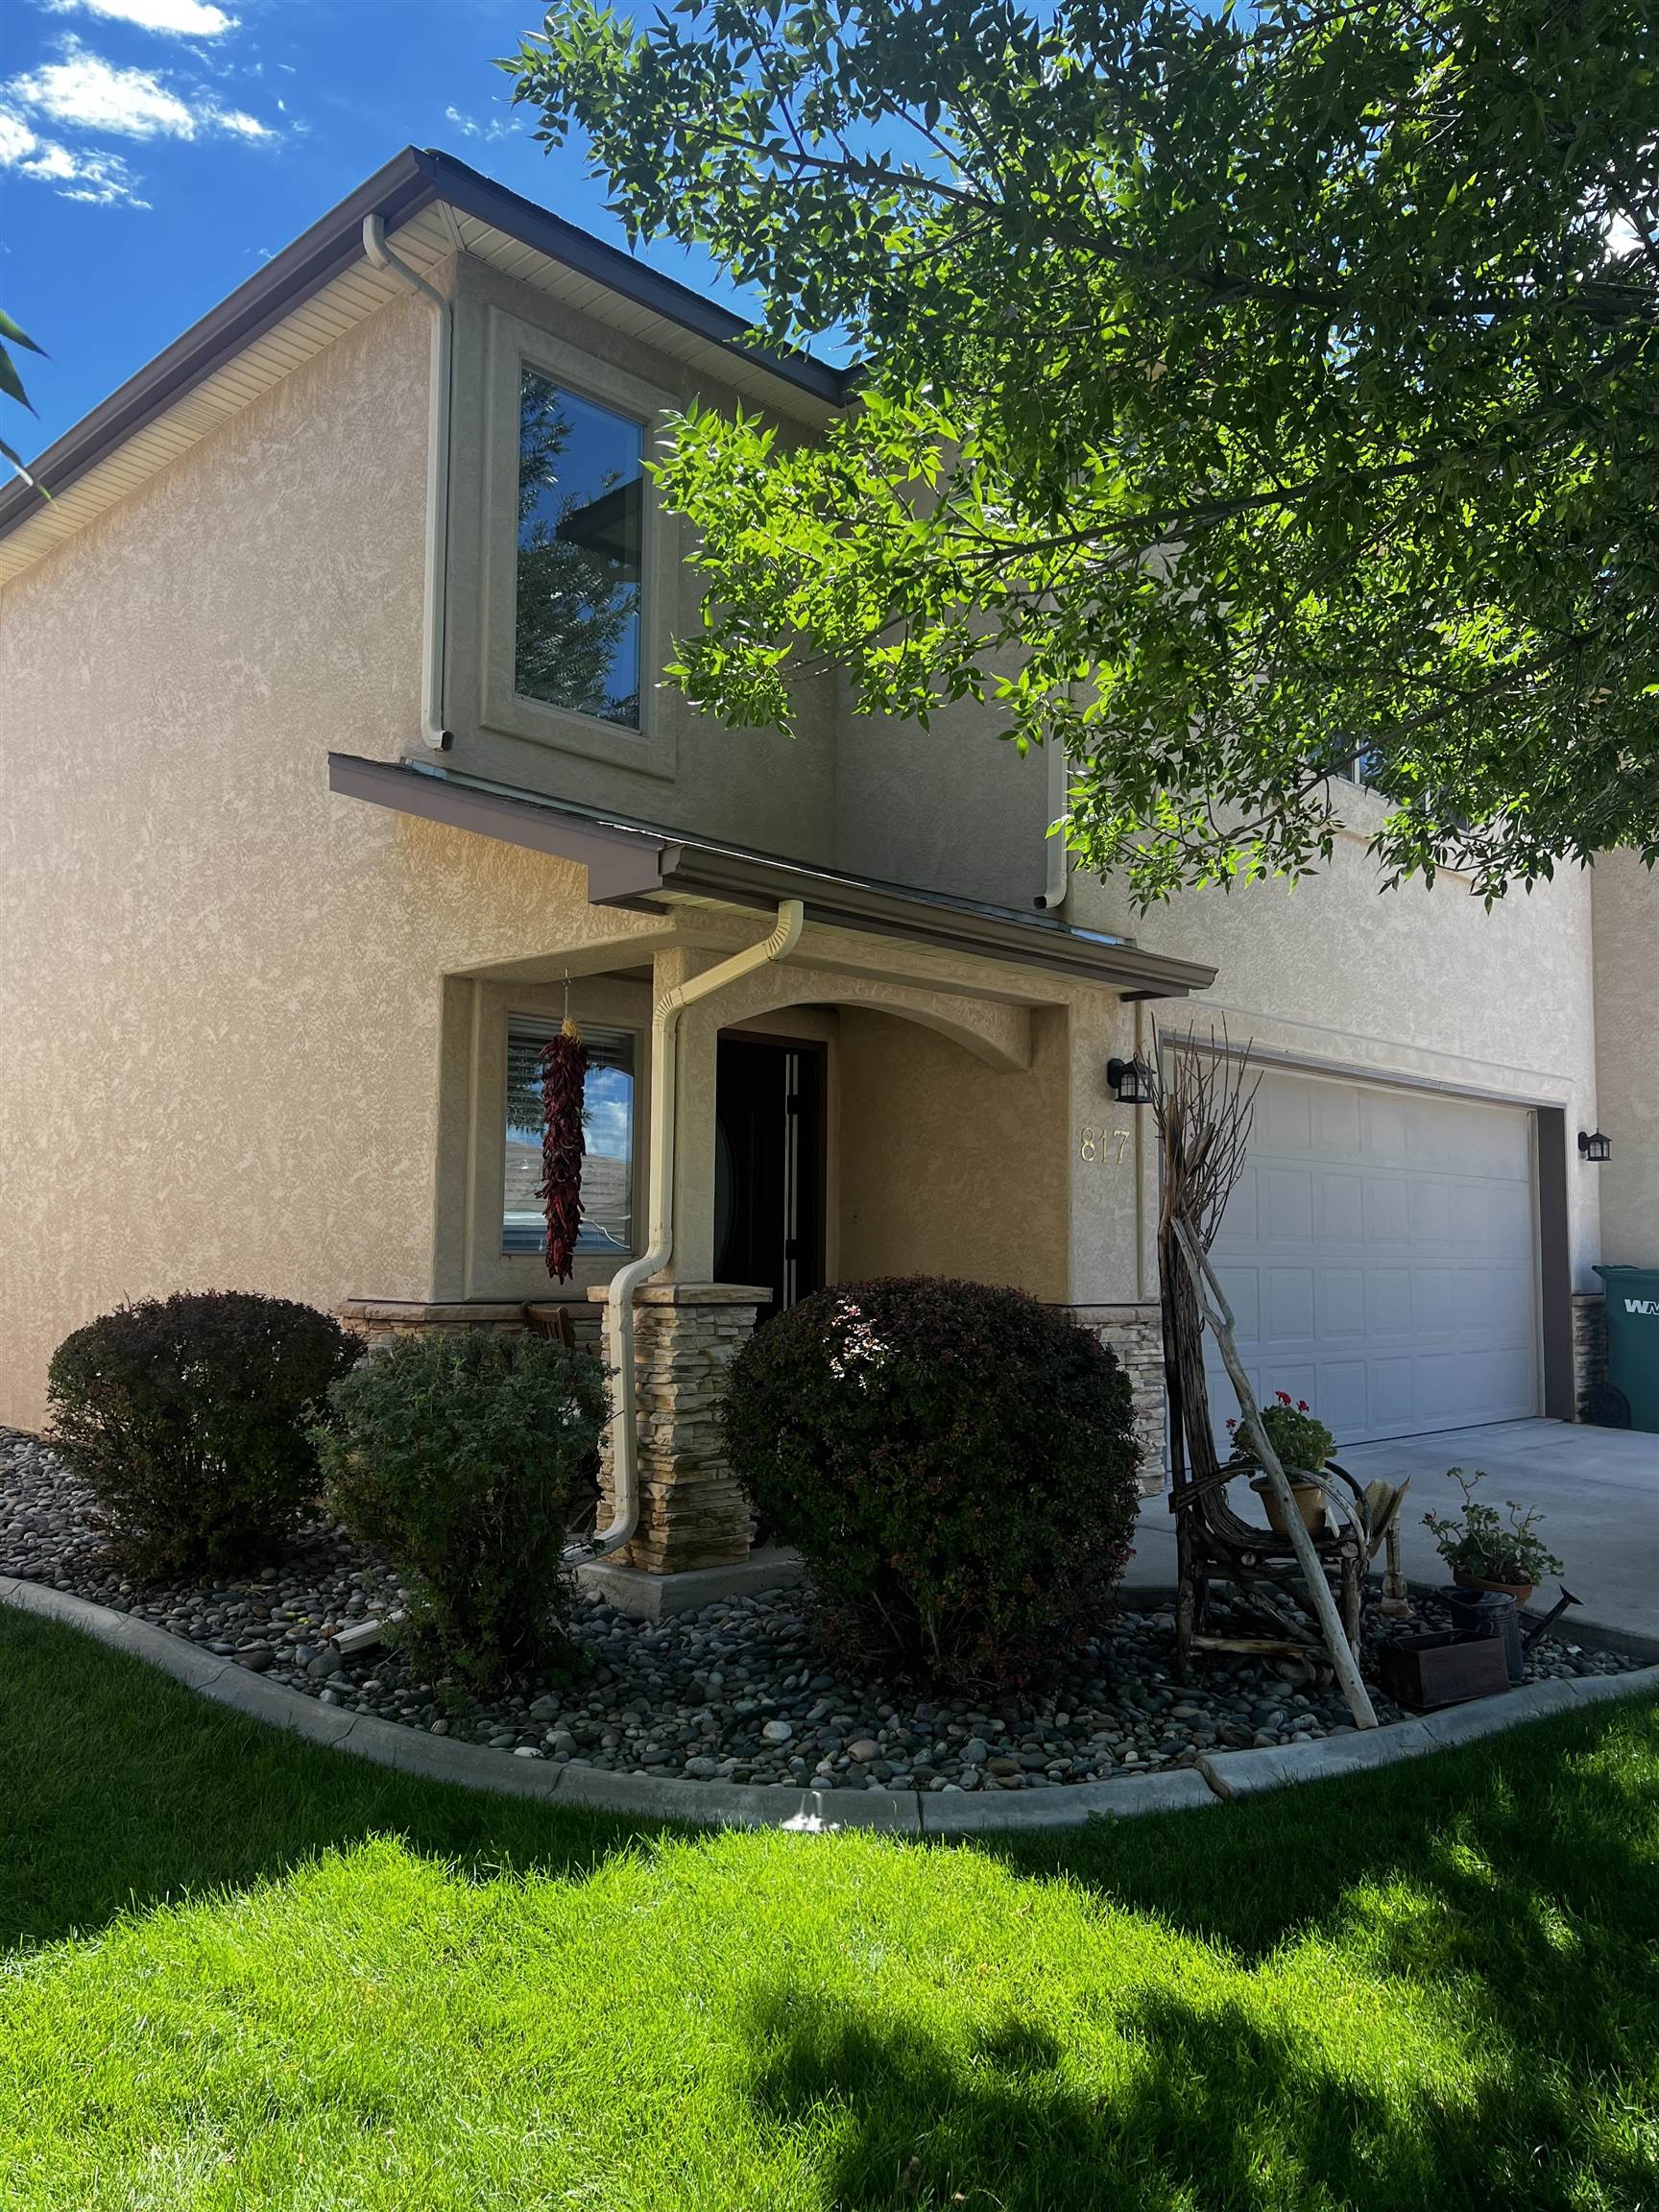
563, 1067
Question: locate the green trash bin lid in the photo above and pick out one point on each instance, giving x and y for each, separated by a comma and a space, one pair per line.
1633, 1340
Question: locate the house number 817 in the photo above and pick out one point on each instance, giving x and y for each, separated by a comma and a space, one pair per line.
1106, 1145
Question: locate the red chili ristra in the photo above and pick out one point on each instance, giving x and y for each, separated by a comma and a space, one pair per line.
563, 1067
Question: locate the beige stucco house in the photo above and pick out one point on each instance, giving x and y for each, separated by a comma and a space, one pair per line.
333, 759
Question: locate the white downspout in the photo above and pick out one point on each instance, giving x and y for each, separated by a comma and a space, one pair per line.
375, 246
620, 1303
1056, 859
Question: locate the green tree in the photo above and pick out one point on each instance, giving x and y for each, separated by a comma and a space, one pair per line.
1240, 394
11, 385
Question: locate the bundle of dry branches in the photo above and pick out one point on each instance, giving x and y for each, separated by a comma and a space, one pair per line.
1203, 1099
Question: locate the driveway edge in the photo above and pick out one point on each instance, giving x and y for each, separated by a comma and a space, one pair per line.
1215, 1778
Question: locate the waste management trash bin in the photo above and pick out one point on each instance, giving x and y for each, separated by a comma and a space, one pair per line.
1633, 1340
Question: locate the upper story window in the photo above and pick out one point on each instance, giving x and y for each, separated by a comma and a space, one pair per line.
581, 553
607, 1127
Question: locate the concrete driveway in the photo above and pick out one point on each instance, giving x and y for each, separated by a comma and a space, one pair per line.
1596, 1489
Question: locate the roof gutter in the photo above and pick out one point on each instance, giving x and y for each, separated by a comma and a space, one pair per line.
635, 865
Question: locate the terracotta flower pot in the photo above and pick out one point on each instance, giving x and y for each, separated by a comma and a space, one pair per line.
1309, 1503
1519, 1591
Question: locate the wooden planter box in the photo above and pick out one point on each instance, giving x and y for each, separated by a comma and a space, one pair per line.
1430, 1671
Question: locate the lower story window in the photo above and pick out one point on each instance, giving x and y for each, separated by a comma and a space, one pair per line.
608, 1126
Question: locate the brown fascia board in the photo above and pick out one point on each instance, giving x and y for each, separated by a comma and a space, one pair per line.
635, 865
932, 917
411, 182
621, 863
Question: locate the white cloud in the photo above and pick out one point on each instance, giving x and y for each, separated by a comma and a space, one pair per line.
174, 18
497, 128
100, 179
87, 93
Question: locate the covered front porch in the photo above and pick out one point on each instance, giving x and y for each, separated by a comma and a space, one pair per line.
796, 1079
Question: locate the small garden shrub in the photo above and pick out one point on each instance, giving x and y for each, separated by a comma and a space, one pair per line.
188, 1419
461, 1455
956, 1464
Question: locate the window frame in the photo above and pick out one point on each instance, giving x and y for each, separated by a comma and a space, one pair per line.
602, 1002
514, 346
546, 1025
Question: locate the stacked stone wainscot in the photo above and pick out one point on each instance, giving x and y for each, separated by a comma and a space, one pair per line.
1136, 1334
1589, 1350
692, 1512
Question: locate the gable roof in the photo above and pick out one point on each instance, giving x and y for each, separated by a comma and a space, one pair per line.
315, 289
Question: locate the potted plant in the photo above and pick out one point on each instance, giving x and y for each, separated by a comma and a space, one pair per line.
1485, 1551
1303, 1444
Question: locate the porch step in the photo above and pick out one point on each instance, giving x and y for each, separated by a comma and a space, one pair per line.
653, 1597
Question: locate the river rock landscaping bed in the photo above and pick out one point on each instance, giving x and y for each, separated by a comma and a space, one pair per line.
738, 1691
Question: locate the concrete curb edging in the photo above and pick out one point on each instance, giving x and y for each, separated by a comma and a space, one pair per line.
1217, 1777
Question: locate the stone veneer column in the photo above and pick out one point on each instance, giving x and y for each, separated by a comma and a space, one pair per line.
1136, 1334
1589, 1349
691, 1511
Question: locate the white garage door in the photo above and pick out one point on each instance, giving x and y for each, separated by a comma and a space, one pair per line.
1377, 1255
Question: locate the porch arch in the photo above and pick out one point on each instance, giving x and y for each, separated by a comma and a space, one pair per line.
992, 1030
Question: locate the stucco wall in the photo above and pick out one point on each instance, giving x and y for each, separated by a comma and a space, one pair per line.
1626, 906
219, 986
947, 1167
953, 807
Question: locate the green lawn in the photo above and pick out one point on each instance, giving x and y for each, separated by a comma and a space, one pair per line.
240, 1972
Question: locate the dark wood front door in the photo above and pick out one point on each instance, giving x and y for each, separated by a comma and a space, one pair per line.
769, 1168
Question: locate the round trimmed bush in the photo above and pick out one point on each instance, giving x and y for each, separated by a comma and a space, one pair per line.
188, 1418
462, 1453
956, 1464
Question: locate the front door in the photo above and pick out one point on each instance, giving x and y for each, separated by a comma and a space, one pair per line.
769, 1168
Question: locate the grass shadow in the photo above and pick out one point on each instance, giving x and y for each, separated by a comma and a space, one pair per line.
1205, 2106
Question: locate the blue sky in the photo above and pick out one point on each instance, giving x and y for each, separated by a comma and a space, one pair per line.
153, 152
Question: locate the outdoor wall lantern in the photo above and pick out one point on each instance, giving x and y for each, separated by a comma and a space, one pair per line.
1593, 1146
1131, 1083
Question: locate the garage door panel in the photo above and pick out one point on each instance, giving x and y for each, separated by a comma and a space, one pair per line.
1286, 1306
1378, 1256
1383, 1121
1473, 1217
1339, 1210
1442, 1381
1284, 1114
1433, 1300
1340, 1302
1388, 1390
1388, 1209
1387, 1302
1429, 1206
1336, 1117
1341, 1392
1286, 1196
1240, 1225
1240, 1287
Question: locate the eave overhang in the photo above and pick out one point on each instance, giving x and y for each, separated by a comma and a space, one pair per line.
204, 375
634, 864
